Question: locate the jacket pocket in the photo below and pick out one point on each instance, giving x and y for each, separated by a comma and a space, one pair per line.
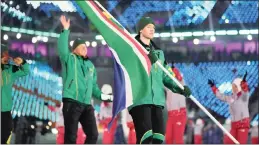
70, 83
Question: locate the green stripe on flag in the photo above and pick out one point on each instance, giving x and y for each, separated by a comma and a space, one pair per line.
138, 76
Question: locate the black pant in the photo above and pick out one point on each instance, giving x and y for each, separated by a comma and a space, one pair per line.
149, 124
75, 112
6, 126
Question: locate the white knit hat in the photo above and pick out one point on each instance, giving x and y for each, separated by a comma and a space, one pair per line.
199, 121
237, 82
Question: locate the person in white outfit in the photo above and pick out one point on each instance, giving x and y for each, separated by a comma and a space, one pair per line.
106, 116
177, 116
238, 107
198, 127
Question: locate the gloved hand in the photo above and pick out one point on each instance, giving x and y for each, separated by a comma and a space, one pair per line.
244, 78
213, 86
108, 98
186, 91
152, 56
244, 85
211, 83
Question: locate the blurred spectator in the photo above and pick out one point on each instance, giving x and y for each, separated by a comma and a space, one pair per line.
217, 135
190, 132
198, 131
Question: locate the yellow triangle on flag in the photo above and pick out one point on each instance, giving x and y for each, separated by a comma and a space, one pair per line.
107, 15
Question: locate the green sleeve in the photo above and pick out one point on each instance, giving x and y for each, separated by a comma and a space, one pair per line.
168, 82
96, 91
23, 70
63, 50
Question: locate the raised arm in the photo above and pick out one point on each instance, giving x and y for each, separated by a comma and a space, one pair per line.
219, 95
63, 50
22, 68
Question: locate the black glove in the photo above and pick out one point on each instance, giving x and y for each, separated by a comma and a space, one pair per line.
244, 78
152, 56
211, 83
172, 64
186, 91
46, 103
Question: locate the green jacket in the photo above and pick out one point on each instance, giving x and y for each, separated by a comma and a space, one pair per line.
9, 74
78, 74
158, 79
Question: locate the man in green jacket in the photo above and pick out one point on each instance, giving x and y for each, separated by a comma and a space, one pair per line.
9, 73
147, 113
79, 85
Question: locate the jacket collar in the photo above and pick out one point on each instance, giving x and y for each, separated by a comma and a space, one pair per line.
152, 44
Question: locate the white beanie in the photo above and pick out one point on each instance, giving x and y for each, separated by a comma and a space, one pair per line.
237, 82
199, 121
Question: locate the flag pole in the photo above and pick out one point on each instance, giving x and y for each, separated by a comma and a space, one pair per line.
180, 85
198, 103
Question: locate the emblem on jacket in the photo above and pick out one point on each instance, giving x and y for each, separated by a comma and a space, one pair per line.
91, 69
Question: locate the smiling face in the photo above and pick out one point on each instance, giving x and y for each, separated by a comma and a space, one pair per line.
81, 50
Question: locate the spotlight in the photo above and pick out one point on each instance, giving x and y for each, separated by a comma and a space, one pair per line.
5, 37
94, 44
45, 39
249, 37
212, 38
196, 41
227, 21
87, 43
34, 40
47, 127
175, 40
18, 35
248, 63
71, 43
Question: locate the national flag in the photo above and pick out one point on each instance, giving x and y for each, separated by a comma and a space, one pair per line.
131, 66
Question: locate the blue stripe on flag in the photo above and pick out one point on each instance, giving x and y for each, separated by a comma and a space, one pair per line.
119, 92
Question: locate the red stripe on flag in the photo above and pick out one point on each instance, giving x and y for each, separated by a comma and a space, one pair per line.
137, 45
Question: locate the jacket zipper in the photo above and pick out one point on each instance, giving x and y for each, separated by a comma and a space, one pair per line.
83, 70
70, 83
76, 77
151, 78
6, 79
84, 78
152, 87
66, 67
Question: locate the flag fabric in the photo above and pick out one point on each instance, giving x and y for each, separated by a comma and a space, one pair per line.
131, 64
